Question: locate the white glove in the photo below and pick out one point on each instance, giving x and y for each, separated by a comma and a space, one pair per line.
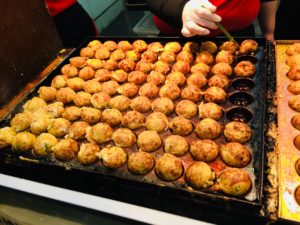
198, 17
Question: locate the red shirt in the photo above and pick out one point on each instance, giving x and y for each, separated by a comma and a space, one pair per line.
58, 6
236, 15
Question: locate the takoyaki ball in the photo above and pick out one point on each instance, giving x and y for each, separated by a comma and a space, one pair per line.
87, 52
133, 120
204, 57
294, 103
192, 93
186, 108
140, 163
294, 72
156, 78
75, 83
229, 46
133, 55
113, 157
234, 181
296, 121
34, 104
205, 150
185, 56
99, 133
59, 81
87, 73
181, 126
128, 89
139, 45
144, 66
59, 127
124, 45
220, 81
210, 110
173, 46
297, 142
88, 153
181, 66
40, 124
215, 94
161, 67
65, 95
21, 121
176, 145
118, 55
94, 44
92, 86
197, 79
177, 78
293, 49
163, 105
191, 46
69, 70
294, 87
168, 167
248, 46
7, 135
90, 115
55, 109
111, 116
120, 102
47, 93
244, 69
111, 45
224, 56
209, 46
222, 68
127, 65
141, 104
293, 60
82, 99
100, 100
23, 142
149, 141
137, 77
77, 130
110, 87
43, 144
237, 132
102, 53
78, 61
167, 57
110, 65
65, 150
208, 128
157, 121
149, 56
72, 113
149, 90
102, 75
156, 47
201, 68
170, 91
235, 154
94, 63
119, 76
123, 137
199, 175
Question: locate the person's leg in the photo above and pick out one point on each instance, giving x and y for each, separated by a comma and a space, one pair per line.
74, 25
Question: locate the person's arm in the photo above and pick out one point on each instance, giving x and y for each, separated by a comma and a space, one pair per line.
267, 19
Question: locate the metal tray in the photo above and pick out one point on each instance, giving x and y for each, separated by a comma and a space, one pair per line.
51, 171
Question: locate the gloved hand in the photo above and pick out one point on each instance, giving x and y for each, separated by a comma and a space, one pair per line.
198, 17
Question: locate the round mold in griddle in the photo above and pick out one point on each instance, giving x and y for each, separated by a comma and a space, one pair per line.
239, 114
297, 141
241, 98
297, 166
250, 58
297, 195
243, 84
